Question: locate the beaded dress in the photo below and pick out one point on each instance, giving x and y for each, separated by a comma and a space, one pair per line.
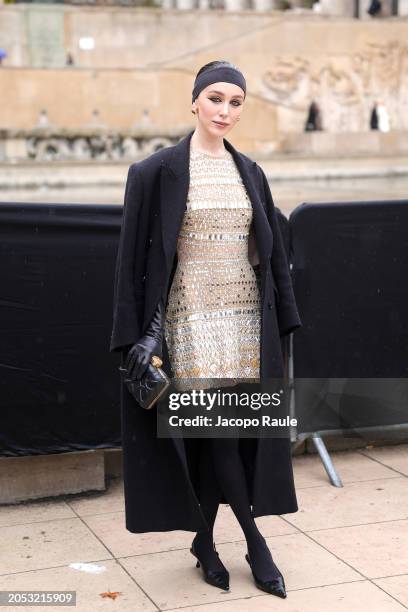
213, 313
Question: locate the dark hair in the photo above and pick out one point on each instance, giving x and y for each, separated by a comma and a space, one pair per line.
216, 64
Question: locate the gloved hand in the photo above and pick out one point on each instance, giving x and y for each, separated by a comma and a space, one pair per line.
151, 343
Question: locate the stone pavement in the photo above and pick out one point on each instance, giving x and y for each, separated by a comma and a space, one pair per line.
346, 549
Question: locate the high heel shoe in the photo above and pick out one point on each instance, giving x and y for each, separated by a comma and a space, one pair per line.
275, 586
218, 579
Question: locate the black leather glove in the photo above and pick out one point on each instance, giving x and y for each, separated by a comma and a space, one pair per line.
151, 343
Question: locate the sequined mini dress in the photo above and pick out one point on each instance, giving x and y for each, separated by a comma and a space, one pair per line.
213, 312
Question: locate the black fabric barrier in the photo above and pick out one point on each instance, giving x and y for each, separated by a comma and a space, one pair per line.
350, 263
60, 387
59, 384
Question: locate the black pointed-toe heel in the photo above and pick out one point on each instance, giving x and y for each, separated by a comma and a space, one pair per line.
218, 579
275, 586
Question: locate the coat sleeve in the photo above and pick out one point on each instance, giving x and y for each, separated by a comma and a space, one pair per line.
288, 316
127, 297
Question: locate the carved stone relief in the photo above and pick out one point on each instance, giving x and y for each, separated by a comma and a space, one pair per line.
344, 87
53, 144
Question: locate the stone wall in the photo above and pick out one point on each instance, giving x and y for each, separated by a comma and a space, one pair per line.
144, 61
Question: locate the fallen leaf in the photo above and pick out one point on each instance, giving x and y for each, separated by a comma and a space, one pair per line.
111, 594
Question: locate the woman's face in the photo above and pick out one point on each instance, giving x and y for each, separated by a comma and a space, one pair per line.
218, 107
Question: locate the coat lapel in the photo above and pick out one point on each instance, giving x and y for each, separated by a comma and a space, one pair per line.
175, 181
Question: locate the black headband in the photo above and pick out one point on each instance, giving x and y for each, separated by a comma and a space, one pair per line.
225, 74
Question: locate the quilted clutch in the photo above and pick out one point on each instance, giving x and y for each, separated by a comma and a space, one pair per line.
151, 386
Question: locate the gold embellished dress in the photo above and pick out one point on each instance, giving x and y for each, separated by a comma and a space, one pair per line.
213, 313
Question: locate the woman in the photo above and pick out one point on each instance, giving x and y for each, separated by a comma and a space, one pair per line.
199, 227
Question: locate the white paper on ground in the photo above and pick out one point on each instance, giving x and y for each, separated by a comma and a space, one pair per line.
92, 568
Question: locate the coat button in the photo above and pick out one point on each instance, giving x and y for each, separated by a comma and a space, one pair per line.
270, 305
150, 241
143, 278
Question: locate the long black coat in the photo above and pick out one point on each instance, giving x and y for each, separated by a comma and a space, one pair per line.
160, 474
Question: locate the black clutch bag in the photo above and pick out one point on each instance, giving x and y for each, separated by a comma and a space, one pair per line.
151, 386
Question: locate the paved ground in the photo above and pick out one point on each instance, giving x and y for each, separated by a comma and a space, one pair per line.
346, 549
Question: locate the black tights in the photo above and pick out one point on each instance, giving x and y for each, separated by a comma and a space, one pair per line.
221, 469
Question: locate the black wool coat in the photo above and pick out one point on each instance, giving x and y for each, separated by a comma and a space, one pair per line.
160, 474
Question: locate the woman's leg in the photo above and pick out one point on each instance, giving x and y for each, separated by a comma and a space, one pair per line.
210, 496
230, 473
